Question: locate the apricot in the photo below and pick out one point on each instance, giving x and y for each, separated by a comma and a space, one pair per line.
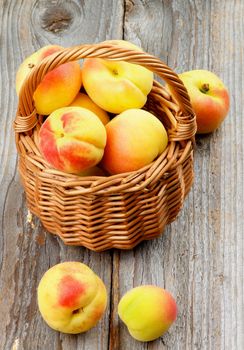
71, 297
82, 100
209, 96
134, 139
58, 87
94, 171
116, 86
72, 139
148, 312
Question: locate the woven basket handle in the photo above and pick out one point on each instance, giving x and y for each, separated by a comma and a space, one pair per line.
26, 117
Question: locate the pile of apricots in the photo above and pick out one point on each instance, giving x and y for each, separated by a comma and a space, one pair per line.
95, 124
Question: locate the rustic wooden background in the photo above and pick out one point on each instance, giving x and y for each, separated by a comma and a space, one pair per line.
200, 256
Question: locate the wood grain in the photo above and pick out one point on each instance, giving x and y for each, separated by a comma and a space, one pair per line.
200, 256
27, 251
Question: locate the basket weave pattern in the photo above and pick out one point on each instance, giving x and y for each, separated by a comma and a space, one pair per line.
118, 211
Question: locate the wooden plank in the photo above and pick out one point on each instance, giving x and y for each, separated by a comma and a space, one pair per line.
27, 251
200, 257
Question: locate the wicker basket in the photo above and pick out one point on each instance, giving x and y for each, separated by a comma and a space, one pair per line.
118, 211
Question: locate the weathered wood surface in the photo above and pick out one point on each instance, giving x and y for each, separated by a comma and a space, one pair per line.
200, 256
